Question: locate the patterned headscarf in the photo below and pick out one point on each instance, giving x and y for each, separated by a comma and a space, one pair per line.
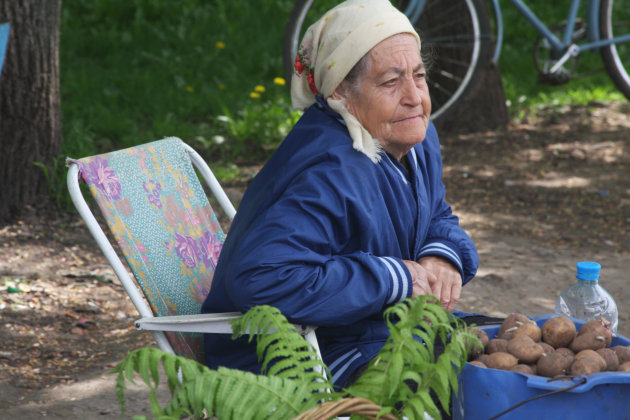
330, 49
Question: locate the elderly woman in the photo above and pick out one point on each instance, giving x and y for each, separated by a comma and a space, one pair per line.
348, 216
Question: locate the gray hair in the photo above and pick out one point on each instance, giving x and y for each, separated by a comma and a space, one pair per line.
353, 78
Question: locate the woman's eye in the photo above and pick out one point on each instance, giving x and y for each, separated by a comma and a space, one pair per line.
390, 82
420, 75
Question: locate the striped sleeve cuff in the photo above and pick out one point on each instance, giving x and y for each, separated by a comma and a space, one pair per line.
400, 279
443, 249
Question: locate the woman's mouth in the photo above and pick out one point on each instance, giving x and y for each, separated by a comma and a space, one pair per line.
411, 118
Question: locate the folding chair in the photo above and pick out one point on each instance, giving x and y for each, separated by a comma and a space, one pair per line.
158, 212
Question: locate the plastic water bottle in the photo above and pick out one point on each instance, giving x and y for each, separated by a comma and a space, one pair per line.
587, 300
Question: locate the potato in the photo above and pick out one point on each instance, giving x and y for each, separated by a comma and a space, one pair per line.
483, 358
511, 323
610, 357
623, 353
624, 367
553, 364
601, 327
501, 360
521, 368
525, 349
529, 329
497, 344
589, 340
476, 350
478, 363
566, 351
547, 348
585, 366
593, 354
481, 335
558, 331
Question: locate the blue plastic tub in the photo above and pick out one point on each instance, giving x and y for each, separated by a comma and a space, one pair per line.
484, 393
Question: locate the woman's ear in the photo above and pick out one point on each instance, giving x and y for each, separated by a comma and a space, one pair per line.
339, 93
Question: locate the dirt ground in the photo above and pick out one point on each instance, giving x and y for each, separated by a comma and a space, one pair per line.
550, 190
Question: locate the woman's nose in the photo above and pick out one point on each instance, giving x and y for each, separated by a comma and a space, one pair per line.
411, 93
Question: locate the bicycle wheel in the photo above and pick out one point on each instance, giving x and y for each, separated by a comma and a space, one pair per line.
303, 14
455, 37
614, 19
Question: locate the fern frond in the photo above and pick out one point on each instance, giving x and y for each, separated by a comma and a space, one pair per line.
406, 370
145, 362
234, 394
293, 382
294, 378
282, 351
228, 393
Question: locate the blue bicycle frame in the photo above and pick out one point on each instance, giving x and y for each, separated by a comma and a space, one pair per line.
560, 46
414, 9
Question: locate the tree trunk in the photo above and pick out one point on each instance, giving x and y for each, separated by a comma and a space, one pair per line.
30, 114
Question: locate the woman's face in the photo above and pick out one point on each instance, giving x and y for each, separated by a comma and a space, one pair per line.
392, 101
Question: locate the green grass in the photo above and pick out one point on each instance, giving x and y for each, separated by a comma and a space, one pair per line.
138, 70
133, 71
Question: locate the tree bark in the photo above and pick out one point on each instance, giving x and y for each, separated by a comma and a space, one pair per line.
30, 113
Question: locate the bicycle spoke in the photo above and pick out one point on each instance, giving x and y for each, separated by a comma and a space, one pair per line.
458, 63
441, 89
450, 76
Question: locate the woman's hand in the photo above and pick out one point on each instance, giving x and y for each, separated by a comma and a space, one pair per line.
444, 279
420, 278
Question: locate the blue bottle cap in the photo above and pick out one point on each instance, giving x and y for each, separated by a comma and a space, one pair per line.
588, 270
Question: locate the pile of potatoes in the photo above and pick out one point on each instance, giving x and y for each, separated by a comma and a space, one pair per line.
556, 349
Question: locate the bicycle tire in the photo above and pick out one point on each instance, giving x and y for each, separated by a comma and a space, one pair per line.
614, 19
292, 36
455, 51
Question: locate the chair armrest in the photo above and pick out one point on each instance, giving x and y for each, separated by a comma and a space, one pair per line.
217, 323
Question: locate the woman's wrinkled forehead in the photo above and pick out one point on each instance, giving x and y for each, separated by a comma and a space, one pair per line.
388, 47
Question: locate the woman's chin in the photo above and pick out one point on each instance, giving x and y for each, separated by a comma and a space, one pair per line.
410, 131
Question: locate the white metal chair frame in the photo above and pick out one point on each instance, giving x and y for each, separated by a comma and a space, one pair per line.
218, 323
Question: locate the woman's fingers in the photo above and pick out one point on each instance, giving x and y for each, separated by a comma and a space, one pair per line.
420, 278
448, 281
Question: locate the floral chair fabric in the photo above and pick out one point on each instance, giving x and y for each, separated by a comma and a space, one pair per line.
160, 216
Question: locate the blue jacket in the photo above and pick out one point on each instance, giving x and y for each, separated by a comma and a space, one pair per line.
321, 234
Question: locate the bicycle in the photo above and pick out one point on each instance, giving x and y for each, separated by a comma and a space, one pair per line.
457, 48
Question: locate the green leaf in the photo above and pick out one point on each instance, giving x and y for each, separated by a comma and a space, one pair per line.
144, 367
428, 405
395, 371
156, 408
413, 409
411, 375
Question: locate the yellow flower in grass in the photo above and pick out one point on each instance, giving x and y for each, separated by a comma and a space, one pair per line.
259, 88
279, 81
254, 95
220, 45
222, 86
190, 89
